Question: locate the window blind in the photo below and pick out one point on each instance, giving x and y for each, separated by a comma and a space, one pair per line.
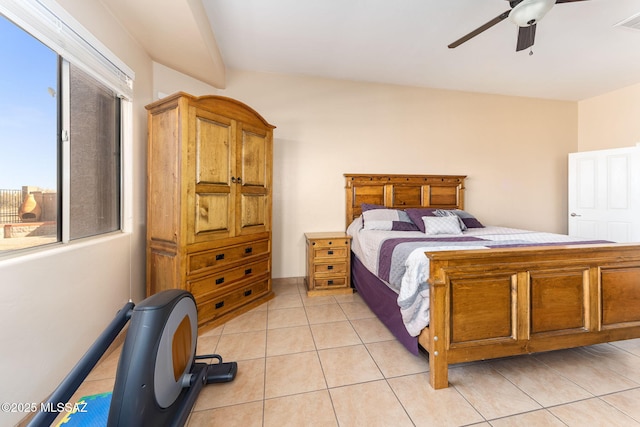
52, 25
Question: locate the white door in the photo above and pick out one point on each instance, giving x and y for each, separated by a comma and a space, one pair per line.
604, 194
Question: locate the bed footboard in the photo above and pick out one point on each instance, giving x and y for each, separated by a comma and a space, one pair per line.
501, 302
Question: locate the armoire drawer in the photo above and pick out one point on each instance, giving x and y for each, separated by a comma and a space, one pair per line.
221, 257
223, 279
209, 310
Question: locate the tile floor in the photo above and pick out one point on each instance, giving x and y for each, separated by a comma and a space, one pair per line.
327, 361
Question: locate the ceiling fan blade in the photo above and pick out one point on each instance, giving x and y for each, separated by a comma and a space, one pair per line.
526, 37
480, 29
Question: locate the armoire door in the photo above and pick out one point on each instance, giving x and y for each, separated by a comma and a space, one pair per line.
254, 180
604, 194
211, 188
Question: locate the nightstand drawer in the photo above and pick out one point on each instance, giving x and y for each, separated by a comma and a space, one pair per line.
337, 252
330, 243
330, 282
336, 268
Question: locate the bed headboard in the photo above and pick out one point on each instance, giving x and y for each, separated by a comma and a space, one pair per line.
403, 191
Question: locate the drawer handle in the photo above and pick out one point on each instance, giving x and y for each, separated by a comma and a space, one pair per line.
219, 257
220, 281
248, 250
329, 282
247, 293
329, 267
330, 252
247, 271
219, 304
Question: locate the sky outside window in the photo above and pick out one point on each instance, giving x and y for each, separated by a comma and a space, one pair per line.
28, 110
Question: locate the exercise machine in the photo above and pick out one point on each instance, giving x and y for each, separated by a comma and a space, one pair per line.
159, 376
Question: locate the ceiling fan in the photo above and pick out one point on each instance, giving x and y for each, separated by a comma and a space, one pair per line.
525, 14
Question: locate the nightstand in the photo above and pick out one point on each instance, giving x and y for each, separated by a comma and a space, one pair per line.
328, 263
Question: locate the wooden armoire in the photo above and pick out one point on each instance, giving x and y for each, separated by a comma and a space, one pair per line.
209, 186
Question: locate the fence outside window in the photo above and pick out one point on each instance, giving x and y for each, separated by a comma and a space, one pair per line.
10, 201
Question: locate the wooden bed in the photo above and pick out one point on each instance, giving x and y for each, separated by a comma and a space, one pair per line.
491, 303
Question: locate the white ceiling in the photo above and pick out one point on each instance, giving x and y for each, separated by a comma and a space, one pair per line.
577, 54
175, 33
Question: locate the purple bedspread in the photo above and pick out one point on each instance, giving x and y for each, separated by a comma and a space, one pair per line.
382, 301
388, 246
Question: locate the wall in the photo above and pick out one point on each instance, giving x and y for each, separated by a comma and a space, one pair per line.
514, 150
611, 120
55, 302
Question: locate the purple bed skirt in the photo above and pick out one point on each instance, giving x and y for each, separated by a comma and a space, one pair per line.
382, 301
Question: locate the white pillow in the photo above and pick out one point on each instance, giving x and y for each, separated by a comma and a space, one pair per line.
387, 219
379, 219
441, 225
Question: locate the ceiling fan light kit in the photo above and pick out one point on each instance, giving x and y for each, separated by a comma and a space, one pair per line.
528, 12
525, 14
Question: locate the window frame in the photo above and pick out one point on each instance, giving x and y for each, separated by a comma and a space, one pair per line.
49, 23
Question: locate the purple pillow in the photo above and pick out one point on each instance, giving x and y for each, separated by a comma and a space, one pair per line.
416, 214
469, 220
404, 226
368, 207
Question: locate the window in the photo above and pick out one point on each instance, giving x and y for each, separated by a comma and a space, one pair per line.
61, 124
95, 157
